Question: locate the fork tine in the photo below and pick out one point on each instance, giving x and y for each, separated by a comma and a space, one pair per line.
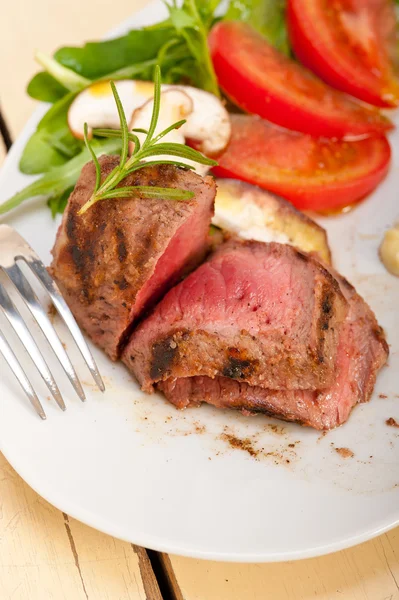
49, 284
16, 368
27, 340
27, 293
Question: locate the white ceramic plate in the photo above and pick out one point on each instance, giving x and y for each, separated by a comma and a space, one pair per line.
133, 466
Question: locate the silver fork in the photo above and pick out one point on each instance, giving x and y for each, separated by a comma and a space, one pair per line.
13, 247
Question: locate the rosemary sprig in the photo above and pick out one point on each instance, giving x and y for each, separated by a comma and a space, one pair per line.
151, 147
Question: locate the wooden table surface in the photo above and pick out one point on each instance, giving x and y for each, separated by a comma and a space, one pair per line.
44, 554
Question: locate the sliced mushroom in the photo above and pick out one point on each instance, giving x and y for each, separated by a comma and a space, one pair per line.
208, 123
175, 105
96, 106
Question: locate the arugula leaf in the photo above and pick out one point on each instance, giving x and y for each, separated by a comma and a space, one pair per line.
39, 155
57, 180
67, 77
96, 59
52, 144
192, 22
45, 88
267, 16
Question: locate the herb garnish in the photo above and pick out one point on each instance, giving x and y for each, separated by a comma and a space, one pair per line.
151, 147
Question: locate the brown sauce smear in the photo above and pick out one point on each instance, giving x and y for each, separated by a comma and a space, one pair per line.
345, 452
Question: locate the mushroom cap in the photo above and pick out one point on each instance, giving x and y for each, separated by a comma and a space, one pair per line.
208, 122
175, 105
95, 105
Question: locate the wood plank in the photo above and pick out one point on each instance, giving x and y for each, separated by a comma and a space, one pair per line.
100, 557
26, 26
46, 555
367, 572
35, 556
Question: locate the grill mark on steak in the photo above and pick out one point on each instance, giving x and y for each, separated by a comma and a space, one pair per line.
121, 283
329, 291
83, 250
301, 255
326, 314
79, 256
239, 366
145, 249
122, 250
347, 284
379, 335
163, 355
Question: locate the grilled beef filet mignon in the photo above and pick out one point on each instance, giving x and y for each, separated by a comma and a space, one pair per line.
264, 314
171, 350
362, 351
121, 256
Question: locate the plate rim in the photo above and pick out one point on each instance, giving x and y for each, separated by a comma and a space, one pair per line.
103, 525
85, 517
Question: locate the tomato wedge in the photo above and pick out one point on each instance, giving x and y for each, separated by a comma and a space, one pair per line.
314, 174
262, 81
350, 44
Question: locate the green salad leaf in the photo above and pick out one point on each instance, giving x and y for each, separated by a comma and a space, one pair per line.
45, 88
192, 22
58, 180
52, 144
94, 60
40, 155
267, 16
67, 77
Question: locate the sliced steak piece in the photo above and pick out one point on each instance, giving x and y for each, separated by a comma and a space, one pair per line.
115, 261
362, 351
264, 314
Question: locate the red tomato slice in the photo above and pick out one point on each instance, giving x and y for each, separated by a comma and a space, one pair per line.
348, 43
312, 173
262, 81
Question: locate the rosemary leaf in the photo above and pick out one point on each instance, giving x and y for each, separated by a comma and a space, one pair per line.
116, 133
143, 191
173, 149
123, 122
176, 125
153, 163
94, 157
156, 106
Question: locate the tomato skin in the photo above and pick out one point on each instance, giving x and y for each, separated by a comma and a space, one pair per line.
261, 81
319, 175
335, 61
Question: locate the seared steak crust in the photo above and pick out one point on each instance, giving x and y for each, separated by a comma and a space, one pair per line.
115, 261
264, 314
